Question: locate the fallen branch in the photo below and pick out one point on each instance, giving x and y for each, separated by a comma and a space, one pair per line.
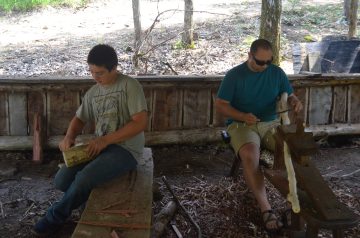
27, 211
346, 175
2, 210
162, 219
109, 224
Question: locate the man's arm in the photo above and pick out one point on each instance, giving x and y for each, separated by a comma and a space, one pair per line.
295, 103
75, 128
224, 108
137, 124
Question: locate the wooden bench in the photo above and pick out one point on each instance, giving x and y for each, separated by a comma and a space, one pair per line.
123, 205
320, 209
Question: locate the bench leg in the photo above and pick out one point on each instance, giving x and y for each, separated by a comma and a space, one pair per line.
311, 232
338, 233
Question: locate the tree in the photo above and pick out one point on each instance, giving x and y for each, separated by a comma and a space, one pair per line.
347, 10
137, 22
187, 37
270, 25
353, 18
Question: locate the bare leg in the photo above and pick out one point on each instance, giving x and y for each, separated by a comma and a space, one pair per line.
250, 154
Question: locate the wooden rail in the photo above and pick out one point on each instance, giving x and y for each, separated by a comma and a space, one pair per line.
181, 107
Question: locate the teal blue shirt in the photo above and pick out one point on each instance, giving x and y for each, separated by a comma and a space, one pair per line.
254, 92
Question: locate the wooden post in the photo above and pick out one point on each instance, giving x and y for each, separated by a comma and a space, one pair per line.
38, 139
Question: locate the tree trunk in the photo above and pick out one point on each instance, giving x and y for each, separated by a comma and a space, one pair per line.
270, 25
347, 10
353, 18
187, 37
137, 22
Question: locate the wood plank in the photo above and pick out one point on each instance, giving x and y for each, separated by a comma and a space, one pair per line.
196, 108
18, 123
339, 105
4, 119
167, 113
323, 198
149, 101
61, 108
320, 101
89, 128
303, 95
36, 104
218, 120
354, 103
132, 192
173, 137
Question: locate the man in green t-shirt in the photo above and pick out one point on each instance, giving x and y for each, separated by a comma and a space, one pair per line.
248, 96
117, 106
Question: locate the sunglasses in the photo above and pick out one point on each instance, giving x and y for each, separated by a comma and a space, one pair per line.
262, 62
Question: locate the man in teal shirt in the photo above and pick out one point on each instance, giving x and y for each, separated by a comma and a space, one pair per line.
248, 96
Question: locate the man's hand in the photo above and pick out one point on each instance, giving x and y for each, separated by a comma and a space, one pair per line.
295, 103
96, 146
66, 143
250, 119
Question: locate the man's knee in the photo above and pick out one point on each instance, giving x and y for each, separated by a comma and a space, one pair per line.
249, 151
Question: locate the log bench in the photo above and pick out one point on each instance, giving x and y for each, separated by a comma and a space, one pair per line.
122, 206
320, 209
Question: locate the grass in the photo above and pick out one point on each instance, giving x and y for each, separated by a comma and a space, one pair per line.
25, 5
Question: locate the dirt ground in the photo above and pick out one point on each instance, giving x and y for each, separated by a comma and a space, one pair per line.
222, 207
56, 41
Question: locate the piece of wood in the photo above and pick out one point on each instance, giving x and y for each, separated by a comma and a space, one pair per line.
218, 120
36, 104
354, 104
61, 108
168, 103
162, 219
38, 140
172, 137
319, 105
323, 198
4, 123
148, 92
196, 108
132, 191
18, 124
339, 105
303, 95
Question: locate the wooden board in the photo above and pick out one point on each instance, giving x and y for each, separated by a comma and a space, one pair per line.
354, 104
4, 123
324, 200
303, 95
196, 108
61, 108
168, 104
132, 192
36, 103
89, 128
320, 102
18, 123
217, 118
339, 105
149, 101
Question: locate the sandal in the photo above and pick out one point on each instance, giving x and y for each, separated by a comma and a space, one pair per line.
269, 218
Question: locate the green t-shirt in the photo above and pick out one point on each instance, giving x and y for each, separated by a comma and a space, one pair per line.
254, 92
111, 107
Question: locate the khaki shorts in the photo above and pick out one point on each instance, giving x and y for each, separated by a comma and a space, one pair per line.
261, 134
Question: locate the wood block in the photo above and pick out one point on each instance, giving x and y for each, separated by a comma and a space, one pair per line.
131, 194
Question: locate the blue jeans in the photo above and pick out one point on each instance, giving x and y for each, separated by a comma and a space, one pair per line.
78, 181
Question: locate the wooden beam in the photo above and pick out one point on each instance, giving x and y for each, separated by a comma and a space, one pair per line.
190, 136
